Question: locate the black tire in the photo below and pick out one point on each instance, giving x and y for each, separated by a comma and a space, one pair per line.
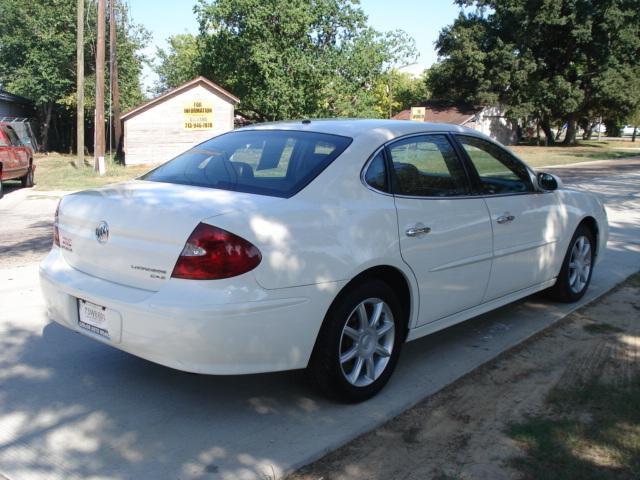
325, 369
568, 291
1, 189
27, 180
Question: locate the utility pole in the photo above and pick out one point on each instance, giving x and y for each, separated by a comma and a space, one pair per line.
79, 162
113, 55
99, 125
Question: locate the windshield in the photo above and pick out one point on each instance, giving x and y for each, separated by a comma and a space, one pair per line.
267, 162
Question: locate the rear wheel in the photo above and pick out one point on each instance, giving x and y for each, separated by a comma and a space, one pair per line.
577, 268
27, 180
359, 343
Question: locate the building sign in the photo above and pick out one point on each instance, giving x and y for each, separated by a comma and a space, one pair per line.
198, 115
418, 113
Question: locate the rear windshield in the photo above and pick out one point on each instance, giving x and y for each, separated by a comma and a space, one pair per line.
267, 162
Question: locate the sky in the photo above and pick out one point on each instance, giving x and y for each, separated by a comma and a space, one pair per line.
422, 19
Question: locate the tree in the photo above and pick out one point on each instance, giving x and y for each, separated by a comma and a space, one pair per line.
38, 61
291, 58
179, 64
547, 59
407, 91
634, 120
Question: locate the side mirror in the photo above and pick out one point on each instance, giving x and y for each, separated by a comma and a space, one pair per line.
548, 182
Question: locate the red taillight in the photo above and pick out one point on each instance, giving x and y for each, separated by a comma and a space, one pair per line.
212, 253
56, 233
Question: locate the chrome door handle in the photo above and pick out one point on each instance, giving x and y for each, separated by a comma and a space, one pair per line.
506, 218
417, 230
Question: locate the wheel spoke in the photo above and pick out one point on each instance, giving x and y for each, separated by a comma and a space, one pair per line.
586, 250
573, 265
352, 333
382, 352
371, 368
363, 321
384, 329
357, 368
375, 316
572, 277
345, 357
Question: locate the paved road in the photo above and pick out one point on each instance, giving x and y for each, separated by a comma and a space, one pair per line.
26, 218
71, 408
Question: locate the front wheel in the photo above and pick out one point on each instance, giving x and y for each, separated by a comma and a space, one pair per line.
359, 343
577, 267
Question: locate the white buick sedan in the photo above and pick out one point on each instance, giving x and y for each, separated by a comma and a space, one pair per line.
315, 244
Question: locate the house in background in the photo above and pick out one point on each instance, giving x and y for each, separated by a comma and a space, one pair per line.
490, 120
168, 125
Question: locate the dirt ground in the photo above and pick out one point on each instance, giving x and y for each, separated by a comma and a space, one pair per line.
460, 433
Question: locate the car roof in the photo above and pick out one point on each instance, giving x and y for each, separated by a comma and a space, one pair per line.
385, 129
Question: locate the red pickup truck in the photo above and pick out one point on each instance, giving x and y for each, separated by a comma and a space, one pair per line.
16, 159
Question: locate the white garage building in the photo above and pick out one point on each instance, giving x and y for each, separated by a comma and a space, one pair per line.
168, 125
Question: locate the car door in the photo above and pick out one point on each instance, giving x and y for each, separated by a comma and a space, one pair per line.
445, 234
526, 223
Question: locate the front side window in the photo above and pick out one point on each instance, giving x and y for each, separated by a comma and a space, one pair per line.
499, 172
427, 166
267, 162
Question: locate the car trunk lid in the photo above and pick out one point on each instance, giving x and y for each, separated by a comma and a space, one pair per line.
132, 233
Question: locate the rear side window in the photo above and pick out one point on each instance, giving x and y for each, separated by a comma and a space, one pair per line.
13, 136
267, 162
427, 166
376, 175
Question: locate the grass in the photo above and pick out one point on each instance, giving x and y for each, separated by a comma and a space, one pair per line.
585, 151
57, 172
602, 328
590, 429
591, 432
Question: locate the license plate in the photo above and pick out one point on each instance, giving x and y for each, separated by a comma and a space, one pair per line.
93, 318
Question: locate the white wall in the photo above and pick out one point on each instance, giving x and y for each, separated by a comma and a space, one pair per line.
492, 122
158, 134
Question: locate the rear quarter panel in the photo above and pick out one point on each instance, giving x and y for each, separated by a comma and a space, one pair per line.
331, 231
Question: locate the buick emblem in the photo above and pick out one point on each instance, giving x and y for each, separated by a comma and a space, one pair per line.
102, 232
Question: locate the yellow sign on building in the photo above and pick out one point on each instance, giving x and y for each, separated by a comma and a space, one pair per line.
198, 115
418, 114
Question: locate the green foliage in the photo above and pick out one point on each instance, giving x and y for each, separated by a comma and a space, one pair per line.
406, 91
37, 48
288, 58
557, 59
38, 56
179, 64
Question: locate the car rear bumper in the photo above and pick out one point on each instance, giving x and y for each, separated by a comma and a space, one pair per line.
192, 326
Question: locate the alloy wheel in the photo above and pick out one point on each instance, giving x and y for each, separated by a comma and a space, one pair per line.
580, 264
367, 342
